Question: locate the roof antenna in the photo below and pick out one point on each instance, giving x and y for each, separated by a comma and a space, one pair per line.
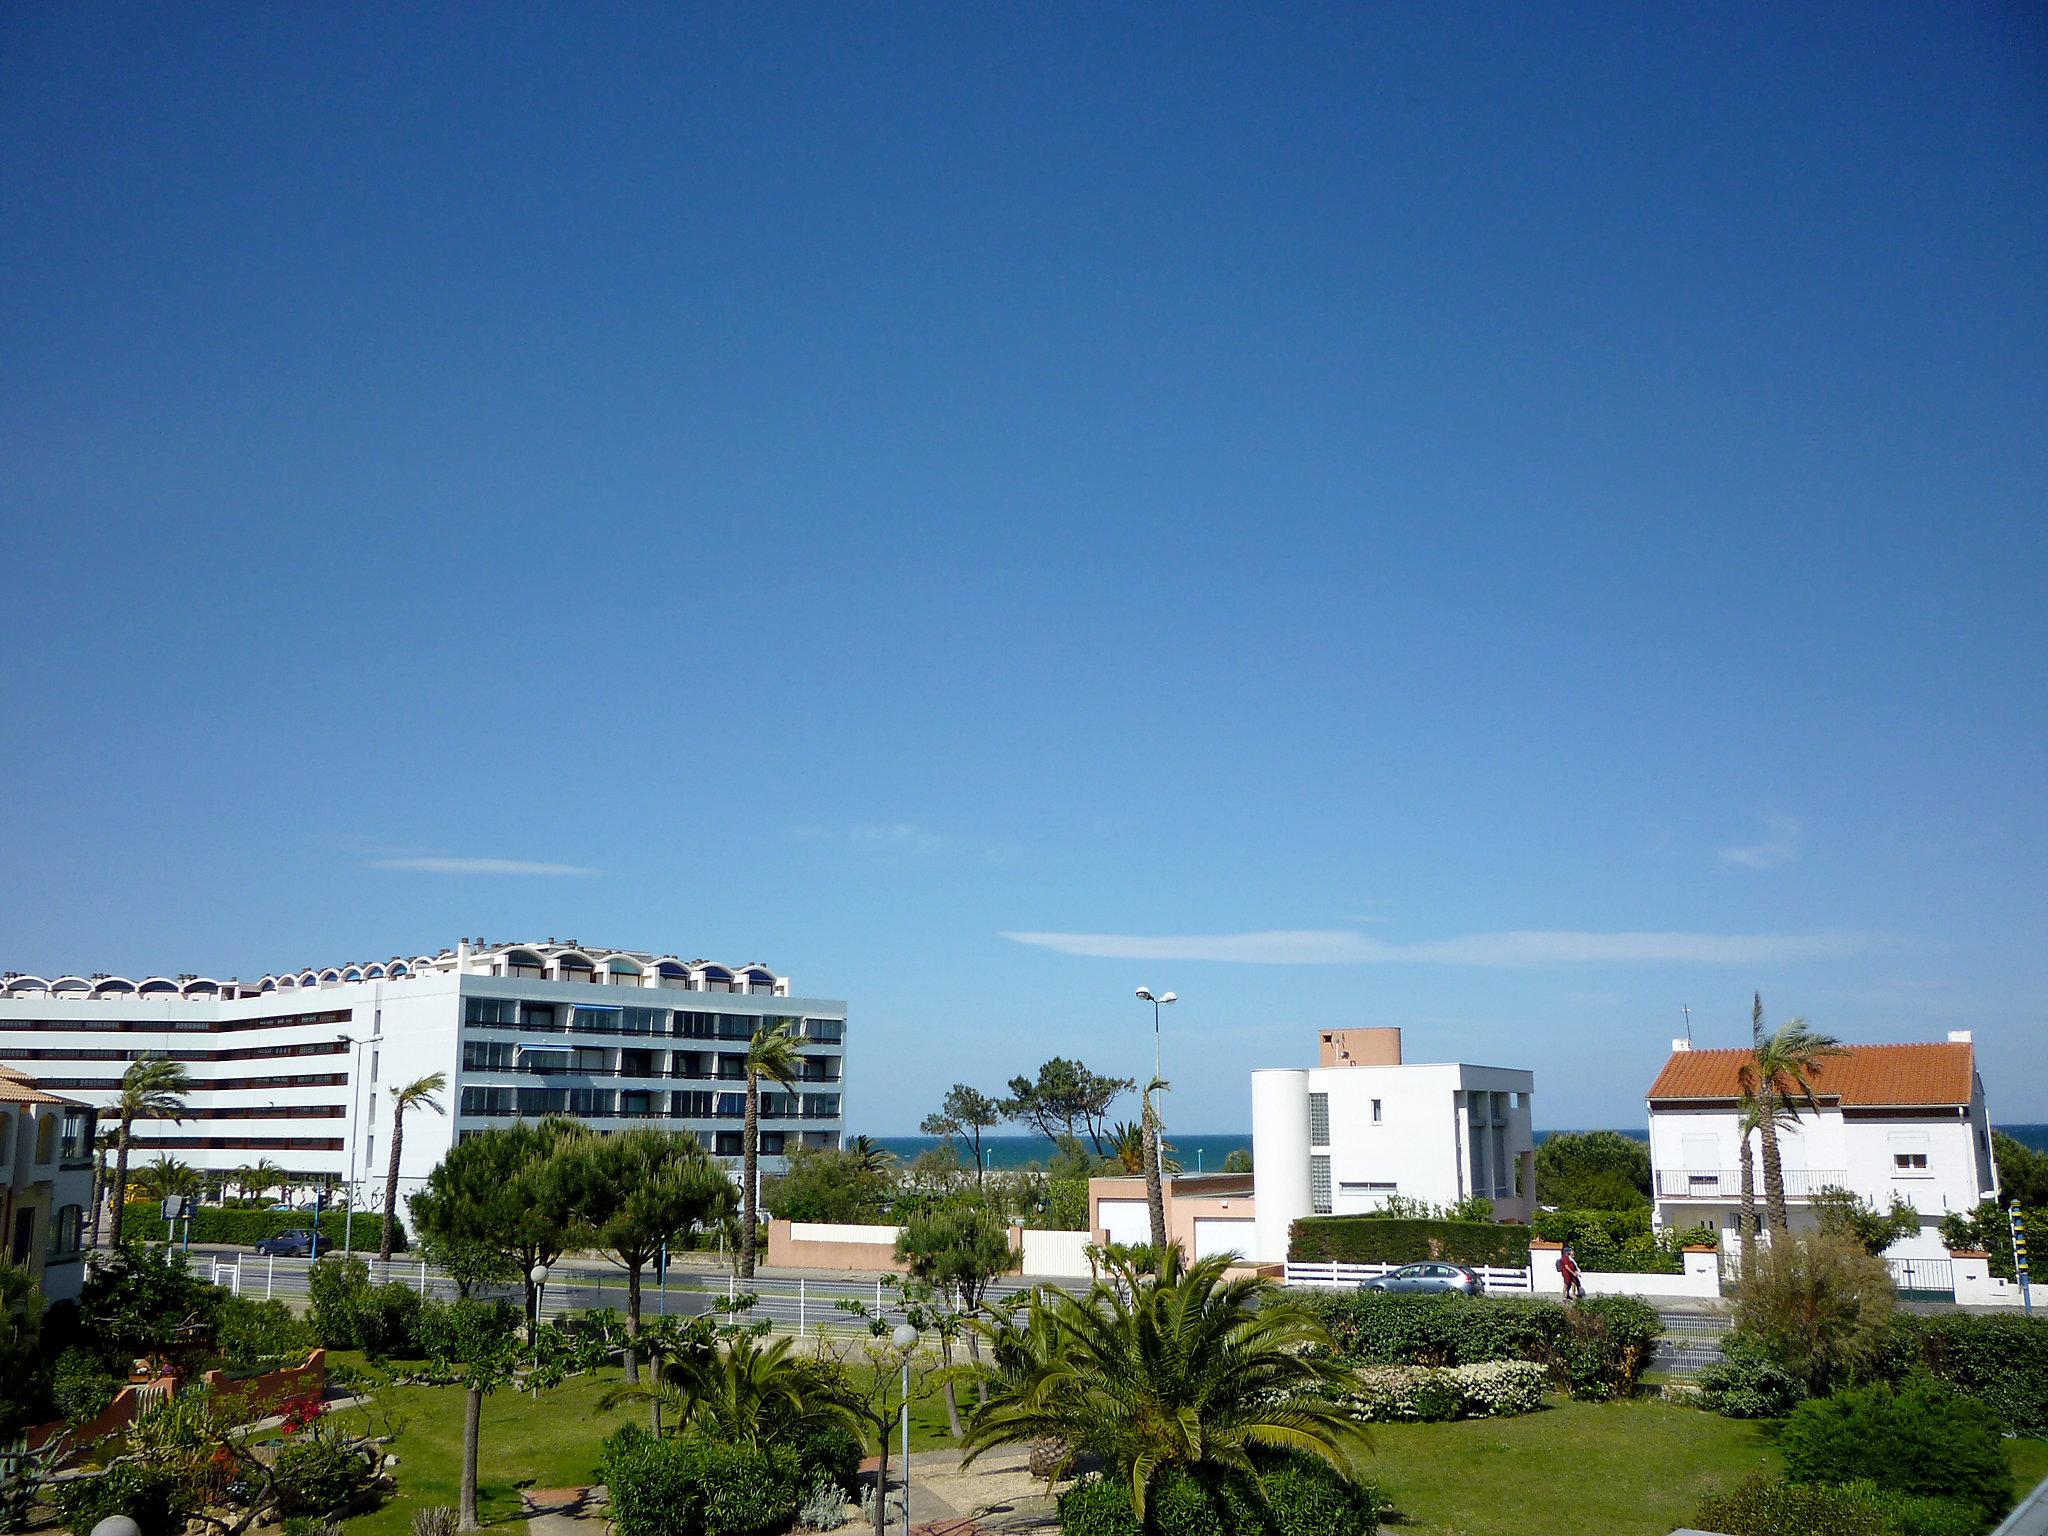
1686, 1009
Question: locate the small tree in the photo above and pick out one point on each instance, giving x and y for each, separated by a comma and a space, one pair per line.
967, 1112
958, 1252
21, 1335
422, 1093
502, 1190
476, 1345
1593, 1171
1818, 1303
636, 1192
1238, 1160
1842, 1213
869, 1387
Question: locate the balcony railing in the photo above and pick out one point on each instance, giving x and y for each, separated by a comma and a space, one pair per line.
1726, 1183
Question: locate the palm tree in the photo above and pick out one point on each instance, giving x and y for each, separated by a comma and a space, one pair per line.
102, 1149
153, 1088
775, 1053
1155, 1175
747, 1393
166, 1177
869, 1155
1751, 1111
262, 1176
1183, 1369
1127, 1146
1781, 1076
421, 1093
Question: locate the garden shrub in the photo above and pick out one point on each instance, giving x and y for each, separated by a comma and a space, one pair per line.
691, 1483
1766, 1506
827, 1455
1433, 1394
143, 1301
254, 1335
1747, 1383
1908, 1514
1598, 1348
348, 1312
1921, 1439
152, 1497
1302, 1497
244, 1228
1820, 1304
316, 1476
2001, 1361
81, 1384
1393, 1240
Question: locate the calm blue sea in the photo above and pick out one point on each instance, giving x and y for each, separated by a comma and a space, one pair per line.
1206, 1152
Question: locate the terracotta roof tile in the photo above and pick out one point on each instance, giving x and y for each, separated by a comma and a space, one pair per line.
15, 1091
1943, 1073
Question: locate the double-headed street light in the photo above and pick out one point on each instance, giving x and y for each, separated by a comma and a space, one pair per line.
1158, 1001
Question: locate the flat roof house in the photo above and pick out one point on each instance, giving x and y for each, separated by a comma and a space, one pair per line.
1905, 1120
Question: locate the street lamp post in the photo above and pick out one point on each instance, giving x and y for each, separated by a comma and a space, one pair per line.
539, 1276
905, 1337
1156, 1183
355, 1093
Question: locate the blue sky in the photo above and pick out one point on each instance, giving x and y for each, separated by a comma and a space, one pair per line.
1497, 523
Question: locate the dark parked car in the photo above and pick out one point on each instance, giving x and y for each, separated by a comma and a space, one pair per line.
1429, 1277
296, 1244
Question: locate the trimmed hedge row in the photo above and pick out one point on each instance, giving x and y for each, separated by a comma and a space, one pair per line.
1303, 1497
1403, 1240
659, 1486
244, 1228
1595, 1349
2000, 1361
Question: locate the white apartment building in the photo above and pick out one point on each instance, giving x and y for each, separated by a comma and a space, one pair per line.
1341, 1137
45, 1183
1905, 1120
296, 1067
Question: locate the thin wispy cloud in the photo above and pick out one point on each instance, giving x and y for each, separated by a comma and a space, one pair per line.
436, 864
1520, 948
1779, 845
906, 839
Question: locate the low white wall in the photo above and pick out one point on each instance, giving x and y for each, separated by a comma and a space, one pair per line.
1056, 1255
1347, 1277
1702, 1277
1975, 1286
831, 1232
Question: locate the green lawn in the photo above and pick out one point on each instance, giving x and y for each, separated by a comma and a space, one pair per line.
1575, 1469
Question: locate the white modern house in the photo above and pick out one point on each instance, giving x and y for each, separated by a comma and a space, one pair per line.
1904, 1120
45, 1182
1363, 1125
296, 1067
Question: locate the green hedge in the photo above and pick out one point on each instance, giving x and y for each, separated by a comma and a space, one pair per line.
1595, 1349
1922, 1441
2001, 1361
1402, 1240
1303, 1497
245, 1228
690, 1483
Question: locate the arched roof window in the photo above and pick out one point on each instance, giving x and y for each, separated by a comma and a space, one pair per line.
373, 973
158, 986
201, 986
25, 986
113, 986
353, 973
398, 968
70, 984
268, 984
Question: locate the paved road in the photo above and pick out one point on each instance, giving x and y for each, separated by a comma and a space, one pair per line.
798, 1303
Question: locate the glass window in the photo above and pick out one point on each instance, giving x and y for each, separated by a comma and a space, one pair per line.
1319, 1119
731, 1105
498, 1011
1375, 1111
46, 1138
1319, 1184
487, 1055
65, 1232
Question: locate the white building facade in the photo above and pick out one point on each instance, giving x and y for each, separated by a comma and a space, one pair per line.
1893, 1120
1342, 1137
46, 1179
297, 1068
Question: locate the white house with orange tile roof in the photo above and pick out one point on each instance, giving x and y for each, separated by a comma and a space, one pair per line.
46, 1181
1905, 1120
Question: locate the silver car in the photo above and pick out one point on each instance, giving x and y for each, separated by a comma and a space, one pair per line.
1432, 1276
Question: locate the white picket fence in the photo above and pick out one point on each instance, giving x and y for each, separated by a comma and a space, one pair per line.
1348, 1277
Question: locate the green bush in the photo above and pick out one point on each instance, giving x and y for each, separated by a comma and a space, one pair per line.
82, 1384
244, 1228
1922, 1440
150, 1496
1908, 1514
1394, 1240
255, 1335
2001, 1361
348, 1312
141, 1301
826, 1455
315, 1476
1748, 1383
690, 1483
1066, 1205
1765, 1506
1303, 1497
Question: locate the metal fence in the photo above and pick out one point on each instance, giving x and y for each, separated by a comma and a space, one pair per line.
1498, 1281
801, 1304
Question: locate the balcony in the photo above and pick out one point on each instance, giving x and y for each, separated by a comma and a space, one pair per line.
1726, 1183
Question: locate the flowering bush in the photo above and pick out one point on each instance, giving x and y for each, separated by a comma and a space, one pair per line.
1432, 1394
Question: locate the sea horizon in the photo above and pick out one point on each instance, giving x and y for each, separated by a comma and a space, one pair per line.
1204, 1152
